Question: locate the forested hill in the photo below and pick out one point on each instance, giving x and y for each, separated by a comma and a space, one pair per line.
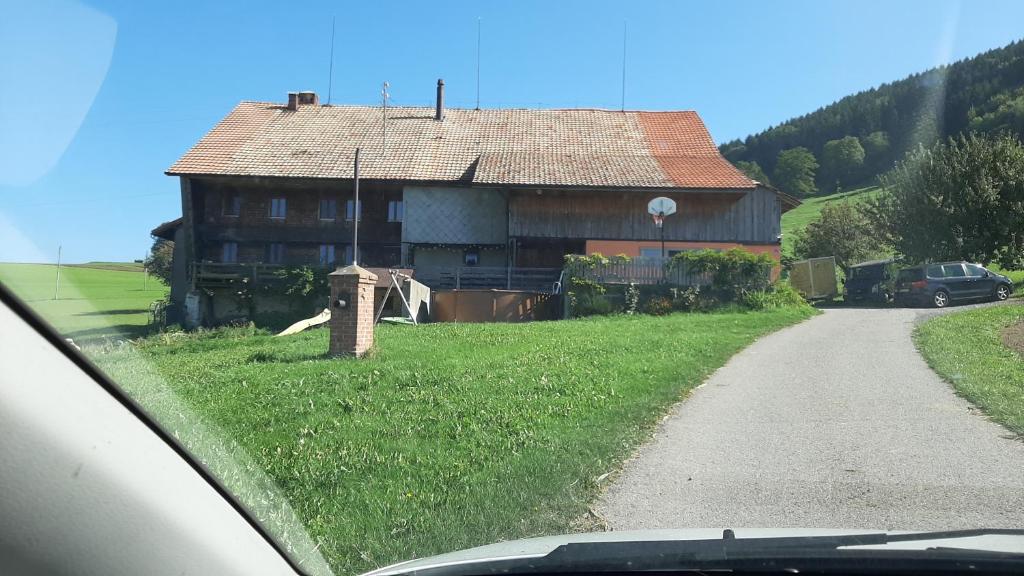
851, 141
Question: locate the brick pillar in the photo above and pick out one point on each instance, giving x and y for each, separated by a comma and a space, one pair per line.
351, 326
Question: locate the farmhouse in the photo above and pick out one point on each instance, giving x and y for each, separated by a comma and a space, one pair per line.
492, 198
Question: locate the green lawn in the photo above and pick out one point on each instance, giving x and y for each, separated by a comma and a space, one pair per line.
96, 300
448, 436
809, 210
965, 348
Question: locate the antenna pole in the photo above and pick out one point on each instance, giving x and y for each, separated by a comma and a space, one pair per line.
478, 63
355, 212
56, 289
623, 108
330, 74
384, 98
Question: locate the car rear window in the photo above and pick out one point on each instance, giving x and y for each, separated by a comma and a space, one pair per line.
935, 272
911, 275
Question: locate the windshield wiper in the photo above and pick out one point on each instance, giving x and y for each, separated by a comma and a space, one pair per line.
822, 554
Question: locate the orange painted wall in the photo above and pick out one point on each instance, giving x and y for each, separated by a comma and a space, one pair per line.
632, 247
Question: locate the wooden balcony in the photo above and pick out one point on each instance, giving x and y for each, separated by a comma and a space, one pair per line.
217, 274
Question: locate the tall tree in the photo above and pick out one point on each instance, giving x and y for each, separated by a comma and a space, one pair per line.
794, 171
160, 261
841, 231
962, 199
841, 161
875, 144
753, 171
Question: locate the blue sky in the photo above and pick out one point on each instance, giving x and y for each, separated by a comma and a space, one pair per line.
99, 98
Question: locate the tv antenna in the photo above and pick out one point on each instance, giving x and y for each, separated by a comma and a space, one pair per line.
330, 73
623, 107
478, 63
384, 99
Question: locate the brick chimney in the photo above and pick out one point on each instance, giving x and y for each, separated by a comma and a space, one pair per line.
296, 99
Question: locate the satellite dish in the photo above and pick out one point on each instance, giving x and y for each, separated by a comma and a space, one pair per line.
661, 206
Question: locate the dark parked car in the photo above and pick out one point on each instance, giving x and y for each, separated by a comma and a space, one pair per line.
945, 282
868, 281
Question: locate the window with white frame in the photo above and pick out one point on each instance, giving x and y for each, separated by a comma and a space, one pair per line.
275, 253
229, 252
396, 210
278, 207
328, 208
326, 254
351, 212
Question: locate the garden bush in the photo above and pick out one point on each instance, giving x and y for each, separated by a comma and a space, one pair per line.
779, 295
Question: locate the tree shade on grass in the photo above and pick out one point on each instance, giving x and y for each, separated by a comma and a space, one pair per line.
966, 348
448, 435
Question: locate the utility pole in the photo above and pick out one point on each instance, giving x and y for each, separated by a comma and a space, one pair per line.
145, 273
56, 289
355, 212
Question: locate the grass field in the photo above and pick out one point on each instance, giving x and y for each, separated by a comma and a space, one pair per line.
449, 435
810, 209
966, 349
96, 300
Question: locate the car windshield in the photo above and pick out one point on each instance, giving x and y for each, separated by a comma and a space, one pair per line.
410, 279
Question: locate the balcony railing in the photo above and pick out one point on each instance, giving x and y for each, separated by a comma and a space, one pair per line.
638, 271
214, 274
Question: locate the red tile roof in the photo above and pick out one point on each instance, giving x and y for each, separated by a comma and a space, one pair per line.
573, 148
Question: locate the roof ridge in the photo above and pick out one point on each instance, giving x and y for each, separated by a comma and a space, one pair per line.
460, 109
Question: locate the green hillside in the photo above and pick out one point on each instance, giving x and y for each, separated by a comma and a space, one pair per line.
96, 300
810, 209
862, 135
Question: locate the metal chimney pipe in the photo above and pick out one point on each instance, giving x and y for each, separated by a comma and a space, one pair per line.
439, 109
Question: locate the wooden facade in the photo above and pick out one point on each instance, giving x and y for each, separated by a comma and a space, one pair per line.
440, 227
742, 216
214, 218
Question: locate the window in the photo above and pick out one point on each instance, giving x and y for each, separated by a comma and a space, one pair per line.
935, 271
229, 252
275, 253
328, 209
471, 257
232, 205
326, 254
656, 252
975, 271
953, 271
396, 210
278, 207
350, 210
348, 254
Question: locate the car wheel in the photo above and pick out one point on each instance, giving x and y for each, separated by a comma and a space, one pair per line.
940, 299
1002, 292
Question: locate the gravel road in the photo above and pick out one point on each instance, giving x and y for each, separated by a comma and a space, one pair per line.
834, 423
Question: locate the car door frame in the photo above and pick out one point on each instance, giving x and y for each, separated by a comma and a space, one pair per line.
981, 286
958, 287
